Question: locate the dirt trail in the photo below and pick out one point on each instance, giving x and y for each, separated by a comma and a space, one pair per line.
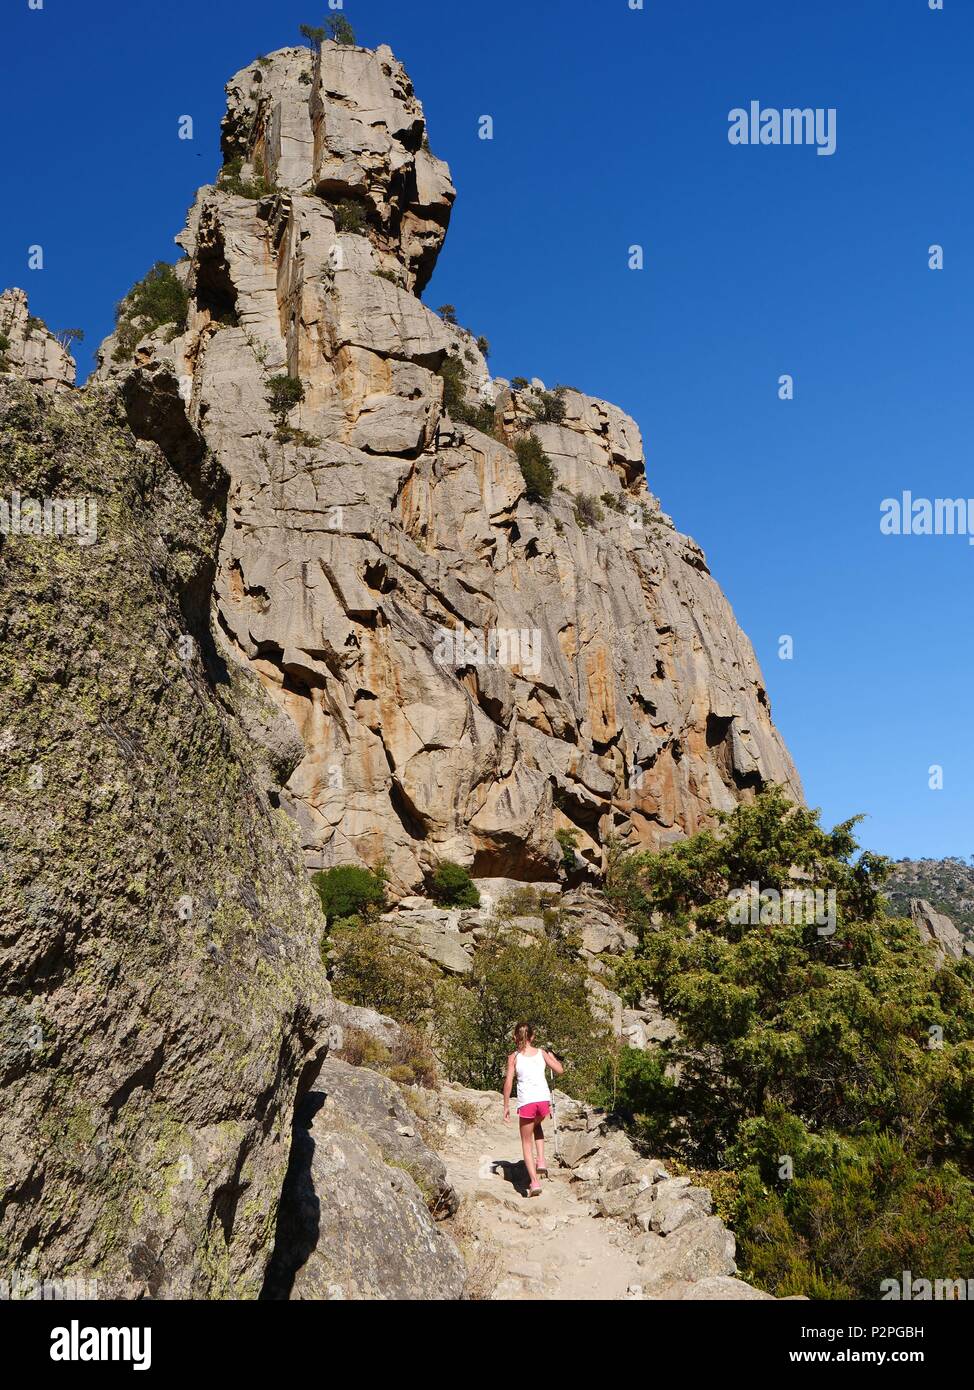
546, 1247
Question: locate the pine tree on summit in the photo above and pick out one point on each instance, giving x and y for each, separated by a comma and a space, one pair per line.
336, 28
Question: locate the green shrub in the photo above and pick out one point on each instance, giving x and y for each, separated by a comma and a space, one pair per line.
543, 981
448, 314
536, 469
634, 1087
283, 394
483, 345
454, 377
588, 511
4, 349
519, 383
549, 406
613, 501
231, 180
350, 217
568, 839
856, 1212
159, 298
348, 889
809, 1041
451, 886
370, 969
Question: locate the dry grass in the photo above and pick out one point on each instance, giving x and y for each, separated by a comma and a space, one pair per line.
426, 1107
484, 1264
465, 1110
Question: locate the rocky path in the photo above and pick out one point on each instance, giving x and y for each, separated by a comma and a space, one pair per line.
546, 1247
609, 1224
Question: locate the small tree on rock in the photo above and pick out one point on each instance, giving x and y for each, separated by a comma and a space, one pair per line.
315, 36
283, 394
340, 31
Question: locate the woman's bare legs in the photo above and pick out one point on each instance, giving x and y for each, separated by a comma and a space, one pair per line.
539, 1145
527, 1133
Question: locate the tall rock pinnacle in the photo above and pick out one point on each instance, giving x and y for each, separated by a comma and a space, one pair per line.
456, 670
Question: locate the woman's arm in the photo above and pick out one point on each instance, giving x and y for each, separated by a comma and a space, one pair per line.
508, 1083
553, 1062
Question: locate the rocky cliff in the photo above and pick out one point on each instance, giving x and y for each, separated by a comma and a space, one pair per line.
162, 993
275, 595
28, 349
467, 670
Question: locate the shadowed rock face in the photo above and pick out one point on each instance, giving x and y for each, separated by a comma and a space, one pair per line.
467, 670
161, 992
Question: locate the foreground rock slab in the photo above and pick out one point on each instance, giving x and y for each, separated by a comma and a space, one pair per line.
355, 1219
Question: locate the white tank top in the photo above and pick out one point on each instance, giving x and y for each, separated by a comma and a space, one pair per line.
531, 1083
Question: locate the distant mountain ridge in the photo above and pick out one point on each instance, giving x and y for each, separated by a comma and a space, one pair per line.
947, 884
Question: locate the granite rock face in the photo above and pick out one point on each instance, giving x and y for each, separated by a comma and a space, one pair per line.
162, 1001
28, 349
466, 671
939, 931
357, 1212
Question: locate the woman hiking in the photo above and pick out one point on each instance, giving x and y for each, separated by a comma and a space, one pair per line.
527, 1063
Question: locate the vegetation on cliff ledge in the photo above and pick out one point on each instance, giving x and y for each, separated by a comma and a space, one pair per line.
158, 298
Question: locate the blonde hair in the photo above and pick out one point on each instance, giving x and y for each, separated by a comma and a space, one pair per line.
523, 1034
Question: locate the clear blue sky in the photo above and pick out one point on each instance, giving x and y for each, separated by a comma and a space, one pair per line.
611, 129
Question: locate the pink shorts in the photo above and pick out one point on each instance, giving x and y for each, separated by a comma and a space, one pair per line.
534, 1110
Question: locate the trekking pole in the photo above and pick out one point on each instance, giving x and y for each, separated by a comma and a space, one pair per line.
554, 1116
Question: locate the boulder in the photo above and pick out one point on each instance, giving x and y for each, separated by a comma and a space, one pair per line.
938, 930
351, 1225
697, 1250
722, 1288
376, 1105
